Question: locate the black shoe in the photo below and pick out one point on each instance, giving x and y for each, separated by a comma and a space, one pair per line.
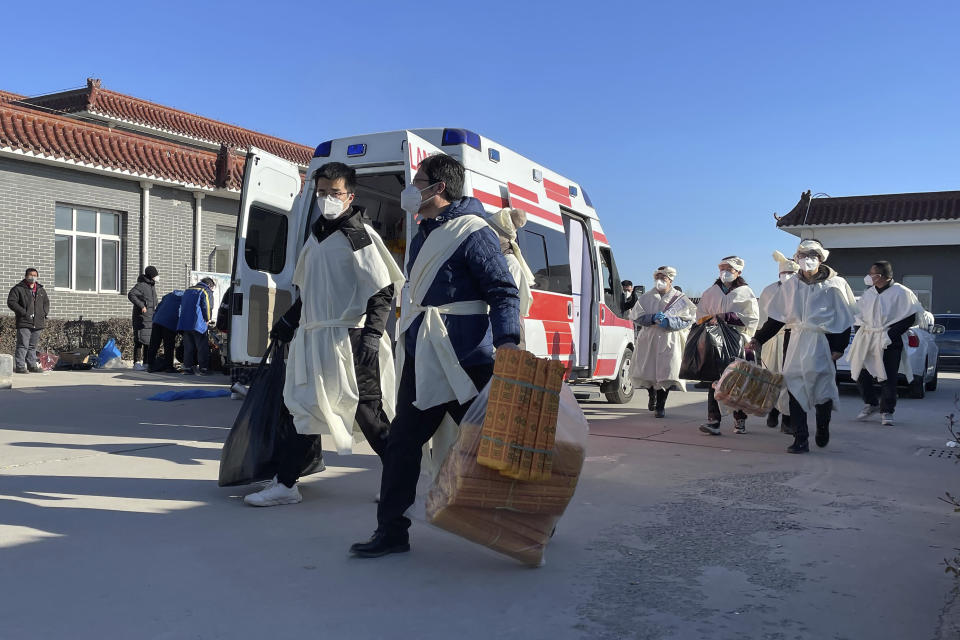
823, 435
380, 545
171, 370
659, 413
712, 428
799, 446
35, 368
188, 372
652, 403
772, 420
20, 370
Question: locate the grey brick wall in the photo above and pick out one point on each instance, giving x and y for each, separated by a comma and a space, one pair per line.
29, 193
217, 212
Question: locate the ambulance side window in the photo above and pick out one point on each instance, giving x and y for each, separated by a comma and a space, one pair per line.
265, 248
545, 251
611, 285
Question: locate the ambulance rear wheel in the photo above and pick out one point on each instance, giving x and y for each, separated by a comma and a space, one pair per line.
620, 390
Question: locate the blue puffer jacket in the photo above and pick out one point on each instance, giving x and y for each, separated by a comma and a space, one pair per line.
168, 311
475, 271
196, 308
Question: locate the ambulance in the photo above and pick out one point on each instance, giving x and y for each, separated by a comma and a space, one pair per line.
576, 292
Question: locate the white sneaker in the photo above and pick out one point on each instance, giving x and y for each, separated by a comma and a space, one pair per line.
886, 419
867, 411
275, 493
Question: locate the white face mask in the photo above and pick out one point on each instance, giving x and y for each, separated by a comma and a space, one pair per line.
810, 264
411, 199
727, 277
31, 279
661, 285
867, 280
330, 207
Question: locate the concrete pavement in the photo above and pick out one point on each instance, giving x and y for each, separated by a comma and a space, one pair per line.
112, 526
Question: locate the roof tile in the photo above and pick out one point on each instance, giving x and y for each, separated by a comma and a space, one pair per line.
894, 207
108, 103
52, 136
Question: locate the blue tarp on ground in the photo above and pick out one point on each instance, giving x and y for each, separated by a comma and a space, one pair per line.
190, 394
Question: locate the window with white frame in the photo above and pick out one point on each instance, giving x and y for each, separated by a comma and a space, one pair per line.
223, 252
87, 249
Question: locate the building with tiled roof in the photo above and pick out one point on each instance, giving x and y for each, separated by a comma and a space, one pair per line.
96, 185
919, 233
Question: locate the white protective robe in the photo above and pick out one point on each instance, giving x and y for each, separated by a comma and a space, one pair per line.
811, 311
336, 283
741, 301
523, 278
771, 355
659, 351
876, 313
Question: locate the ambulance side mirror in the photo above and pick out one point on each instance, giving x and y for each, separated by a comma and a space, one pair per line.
937, 329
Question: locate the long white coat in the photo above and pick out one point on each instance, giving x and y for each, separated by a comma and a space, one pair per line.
741, 301
659, 351
335, 285
772, 352
811, 311
876, 313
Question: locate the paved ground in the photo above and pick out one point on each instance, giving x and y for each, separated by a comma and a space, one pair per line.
112, 526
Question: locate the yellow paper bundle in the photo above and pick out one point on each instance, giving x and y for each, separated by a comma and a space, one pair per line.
748, 387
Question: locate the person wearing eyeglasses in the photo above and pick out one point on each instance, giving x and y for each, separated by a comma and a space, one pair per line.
340, 366
461, 303
887, 310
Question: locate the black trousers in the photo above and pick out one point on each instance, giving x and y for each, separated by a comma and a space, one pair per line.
161, 335
141, 339
867, 384
798, 417
410, 430
713, 409
296, 453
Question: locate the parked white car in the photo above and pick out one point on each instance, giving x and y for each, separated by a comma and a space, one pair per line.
922, 352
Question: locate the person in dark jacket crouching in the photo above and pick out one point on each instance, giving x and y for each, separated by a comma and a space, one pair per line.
461, 304
196, 314
143, 295
164, 332
29, 302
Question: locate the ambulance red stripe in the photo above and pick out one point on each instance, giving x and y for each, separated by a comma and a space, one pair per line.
490, 199
538, 212
517, 190
557, 192
599, 237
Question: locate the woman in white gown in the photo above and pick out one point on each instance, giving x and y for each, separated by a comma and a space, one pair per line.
774, 350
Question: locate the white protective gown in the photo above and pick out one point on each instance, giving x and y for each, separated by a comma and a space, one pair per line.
523, 278
336, 283
811, 311
659, 351
741, 301
876, 313
771, 355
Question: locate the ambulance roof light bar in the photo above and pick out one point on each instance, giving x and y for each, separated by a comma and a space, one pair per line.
460, 136
323, 149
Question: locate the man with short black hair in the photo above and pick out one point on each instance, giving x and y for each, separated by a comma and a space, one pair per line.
340, 368
461, 304
887, 309
29, 302
629, 297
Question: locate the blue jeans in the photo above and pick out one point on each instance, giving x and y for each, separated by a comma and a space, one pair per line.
196, 350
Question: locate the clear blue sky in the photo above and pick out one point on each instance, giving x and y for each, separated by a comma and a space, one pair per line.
688, 123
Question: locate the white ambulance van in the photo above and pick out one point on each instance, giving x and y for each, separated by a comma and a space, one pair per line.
576, 297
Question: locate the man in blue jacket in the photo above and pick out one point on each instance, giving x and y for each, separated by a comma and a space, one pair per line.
196, 311
165, 320
461, 304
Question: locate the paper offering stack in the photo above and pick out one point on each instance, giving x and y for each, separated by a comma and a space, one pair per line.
535, 434
748, 387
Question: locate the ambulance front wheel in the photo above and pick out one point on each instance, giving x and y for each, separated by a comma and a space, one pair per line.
620, 389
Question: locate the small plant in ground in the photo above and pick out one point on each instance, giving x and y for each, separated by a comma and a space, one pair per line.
953, 424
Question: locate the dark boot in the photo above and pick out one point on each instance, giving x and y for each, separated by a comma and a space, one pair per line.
799, 446
380, 545
773, 418
651, 399
785, 426
823, 423
661, 402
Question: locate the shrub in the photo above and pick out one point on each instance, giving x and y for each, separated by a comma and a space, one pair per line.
69, 335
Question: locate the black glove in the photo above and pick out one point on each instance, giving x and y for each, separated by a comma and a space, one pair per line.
368, 354
282, 331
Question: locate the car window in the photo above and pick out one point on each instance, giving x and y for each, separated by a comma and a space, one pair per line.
950, 323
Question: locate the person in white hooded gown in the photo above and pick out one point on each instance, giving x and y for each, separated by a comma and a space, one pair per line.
663, 315
818, 308
773, 352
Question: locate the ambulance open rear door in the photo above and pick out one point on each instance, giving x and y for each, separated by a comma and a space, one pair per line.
265, 255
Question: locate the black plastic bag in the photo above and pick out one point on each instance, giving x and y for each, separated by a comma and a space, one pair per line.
710, 349
253, 448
